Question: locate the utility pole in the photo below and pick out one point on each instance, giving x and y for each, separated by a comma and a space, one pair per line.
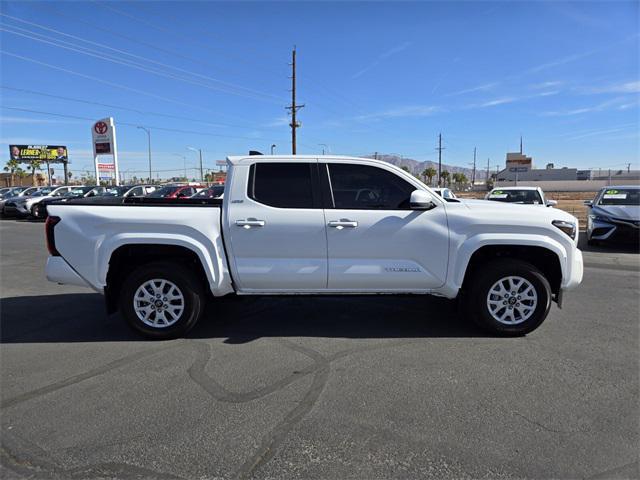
440, 148
628, 167
149, 139
520, 144
473, 174
293, 108
488, 160
375, 155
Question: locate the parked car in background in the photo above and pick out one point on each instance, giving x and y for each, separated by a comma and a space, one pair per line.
139, 190
523, 195
14, 193
21, 206
614, 215
215, 191
175, 191
39, 209
11, 191
446, 193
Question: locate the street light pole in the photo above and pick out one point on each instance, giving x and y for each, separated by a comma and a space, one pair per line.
149, 138
324, 145
201, 171
272, 148
184, 163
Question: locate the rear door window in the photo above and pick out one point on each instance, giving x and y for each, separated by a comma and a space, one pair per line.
282, 185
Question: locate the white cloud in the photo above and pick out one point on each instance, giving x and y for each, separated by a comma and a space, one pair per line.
278, 122
7, 120
543, 85
381, 57
478, 88
619, 103
493, 103
405, 111
627, 87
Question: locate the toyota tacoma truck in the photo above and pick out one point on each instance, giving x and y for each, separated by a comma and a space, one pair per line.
314, 225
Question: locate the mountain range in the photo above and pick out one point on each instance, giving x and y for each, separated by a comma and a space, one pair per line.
416, 167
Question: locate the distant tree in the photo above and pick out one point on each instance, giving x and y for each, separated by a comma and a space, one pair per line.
13, 167
405, 168
445, 177
35, 165
429, 173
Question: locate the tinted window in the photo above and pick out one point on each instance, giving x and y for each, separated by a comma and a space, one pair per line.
515, 196
284, 185
164, 192
368, 188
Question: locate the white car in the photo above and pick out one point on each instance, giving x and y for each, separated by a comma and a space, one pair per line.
21, 206
301, 225
521, 195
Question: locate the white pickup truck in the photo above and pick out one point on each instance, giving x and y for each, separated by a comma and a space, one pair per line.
314, 225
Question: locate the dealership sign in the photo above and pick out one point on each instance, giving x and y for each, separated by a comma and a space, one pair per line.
45, 153
103, 136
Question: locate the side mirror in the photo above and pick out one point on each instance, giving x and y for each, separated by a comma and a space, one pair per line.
588, 203
421, 200
551, 203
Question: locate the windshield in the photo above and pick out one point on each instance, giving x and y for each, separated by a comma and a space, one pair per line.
10, 192
77, 191
43, 192
620, 196
530, 197
115, 191
211, 192
163, 192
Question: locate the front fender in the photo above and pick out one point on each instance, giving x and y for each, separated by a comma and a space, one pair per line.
465, 250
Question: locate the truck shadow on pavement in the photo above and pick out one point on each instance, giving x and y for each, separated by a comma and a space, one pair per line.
82, 318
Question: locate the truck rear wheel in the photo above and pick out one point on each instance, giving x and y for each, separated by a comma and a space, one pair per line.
509, 297
162, 300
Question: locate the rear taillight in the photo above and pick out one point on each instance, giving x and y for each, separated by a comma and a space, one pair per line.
51, 240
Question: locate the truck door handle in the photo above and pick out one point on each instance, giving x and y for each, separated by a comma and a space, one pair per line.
250, 222
342, 223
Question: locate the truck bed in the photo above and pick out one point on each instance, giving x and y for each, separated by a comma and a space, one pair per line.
143, 201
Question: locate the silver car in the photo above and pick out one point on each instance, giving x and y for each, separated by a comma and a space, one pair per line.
614, 215
15, 193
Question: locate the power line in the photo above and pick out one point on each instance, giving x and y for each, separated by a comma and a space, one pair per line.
208, 134
120, 107
106, 82
56, 42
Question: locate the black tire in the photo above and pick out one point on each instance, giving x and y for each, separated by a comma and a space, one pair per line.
188, 284
39, 212
487, 276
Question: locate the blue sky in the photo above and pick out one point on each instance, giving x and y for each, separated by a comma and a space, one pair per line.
383, 76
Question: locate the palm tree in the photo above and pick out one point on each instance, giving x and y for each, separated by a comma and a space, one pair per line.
445, 176
13, 167
429, 173
34, 165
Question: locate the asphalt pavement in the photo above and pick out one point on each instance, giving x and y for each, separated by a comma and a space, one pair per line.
316, 387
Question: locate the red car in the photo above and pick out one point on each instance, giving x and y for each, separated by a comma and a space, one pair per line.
175, 191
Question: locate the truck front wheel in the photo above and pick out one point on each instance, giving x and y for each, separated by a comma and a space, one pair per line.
509, 297
162, 300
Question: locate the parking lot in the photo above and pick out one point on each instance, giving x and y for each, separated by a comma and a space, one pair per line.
316, 387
